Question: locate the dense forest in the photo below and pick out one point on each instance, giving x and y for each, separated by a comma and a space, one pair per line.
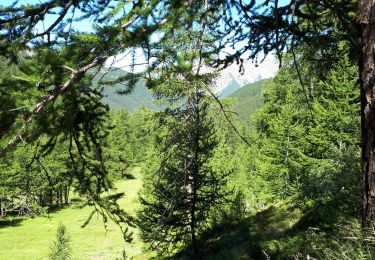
152, 160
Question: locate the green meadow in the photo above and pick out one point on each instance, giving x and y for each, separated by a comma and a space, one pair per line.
30, 238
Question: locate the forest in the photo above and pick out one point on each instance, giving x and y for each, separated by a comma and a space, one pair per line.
120, 138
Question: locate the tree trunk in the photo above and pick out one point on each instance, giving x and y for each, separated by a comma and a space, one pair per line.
66, 195
50, 197
1, 207
60, 196
366, 37
193, 168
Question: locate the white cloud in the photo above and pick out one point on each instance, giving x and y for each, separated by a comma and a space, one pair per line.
252, 73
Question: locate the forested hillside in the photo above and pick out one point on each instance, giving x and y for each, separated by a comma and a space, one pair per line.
113, 94
140, 96
152, 163
249, 99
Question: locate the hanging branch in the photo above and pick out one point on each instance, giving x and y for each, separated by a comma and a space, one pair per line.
277, 45
57, 21
296, 65
200, 64
222, 109
53, 96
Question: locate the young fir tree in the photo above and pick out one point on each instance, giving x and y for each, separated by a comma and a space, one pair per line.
118, 153
182, 189
332, 141
61, 248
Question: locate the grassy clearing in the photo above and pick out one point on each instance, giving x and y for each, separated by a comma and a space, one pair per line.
31, 238
280, 231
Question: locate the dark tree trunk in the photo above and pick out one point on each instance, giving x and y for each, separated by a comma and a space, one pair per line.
1, 207
195, 252
60, 196
50, 197
66, 195
193, 169
366, 36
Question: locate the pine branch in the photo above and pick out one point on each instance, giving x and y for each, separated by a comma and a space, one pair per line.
222, 109
57, 21
51, 97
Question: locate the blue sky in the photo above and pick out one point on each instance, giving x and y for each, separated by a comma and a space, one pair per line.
83, 26
265, 70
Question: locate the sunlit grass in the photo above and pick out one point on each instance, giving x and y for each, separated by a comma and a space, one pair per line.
31, 238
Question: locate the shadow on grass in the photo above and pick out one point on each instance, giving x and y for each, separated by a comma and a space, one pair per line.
268, 234
128, 176
251, 238
13, 218
55, 208
280, 231
77, 200
10, 222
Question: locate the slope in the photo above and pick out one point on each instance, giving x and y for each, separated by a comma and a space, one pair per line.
229, 85
249, 99
139, 97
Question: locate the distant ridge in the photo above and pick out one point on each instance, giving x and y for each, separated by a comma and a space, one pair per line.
142, 96
139, 97
249, 99
230, 86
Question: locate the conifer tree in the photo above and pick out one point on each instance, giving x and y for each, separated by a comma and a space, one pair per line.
332, 140
182, 189
281, 123
61, 248
316, 148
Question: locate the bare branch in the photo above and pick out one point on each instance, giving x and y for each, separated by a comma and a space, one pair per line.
57, 21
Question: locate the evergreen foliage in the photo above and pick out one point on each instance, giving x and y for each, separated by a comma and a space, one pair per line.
183, 187
61, 248
118, 152
312, 155
301, 159
248, 99
281, 121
